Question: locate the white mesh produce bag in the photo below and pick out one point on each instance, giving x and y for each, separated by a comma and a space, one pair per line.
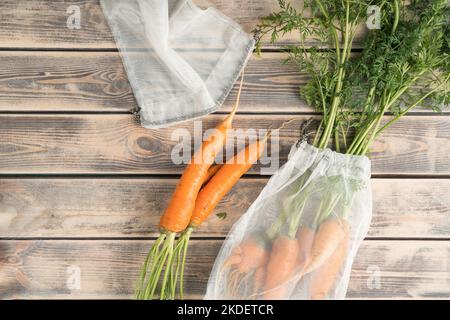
181, 61
298, 239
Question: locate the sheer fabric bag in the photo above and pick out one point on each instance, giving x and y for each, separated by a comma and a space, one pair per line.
181, 61
300, 236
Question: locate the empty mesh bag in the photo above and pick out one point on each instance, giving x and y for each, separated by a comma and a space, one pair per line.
181, 60
298, 239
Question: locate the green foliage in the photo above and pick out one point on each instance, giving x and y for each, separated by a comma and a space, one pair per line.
221, 215
322, 25
402, 65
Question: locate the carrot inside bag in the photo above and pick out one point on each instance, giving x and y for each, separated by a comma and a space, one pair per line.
295, 239
315, 211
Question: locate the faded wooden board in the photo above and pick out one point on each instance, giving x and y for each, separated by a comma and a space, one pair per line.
63, 144
42, 81
96, 81
108, 269
43, 23
403, 208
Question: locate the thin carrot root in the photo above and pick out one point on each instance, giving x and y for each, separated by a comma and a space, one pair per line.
244, 260
233, 281
247, 256
243, 285
232, 261
253, 255
258, 278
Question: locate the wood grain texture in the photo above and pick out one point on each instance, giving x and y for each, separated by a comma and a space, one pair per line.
123, 211
41, 81
108, 269
403, 208
43, 23
62, 144
97, 82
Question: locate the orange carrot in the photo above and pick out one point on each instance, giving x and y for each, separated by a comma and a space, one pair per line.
327, 238
282, 265
211, 171
178, 214
324, 277
225, 178
305, 238
249, 255
210, 195
246, 260
258, 278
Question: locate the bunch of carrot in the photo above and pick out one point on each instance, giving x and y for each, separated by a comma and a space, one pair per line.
274, 262
354, 93
201, 187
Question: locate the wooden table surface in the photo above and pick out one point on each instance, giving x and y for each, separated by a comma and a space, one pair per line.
82, 184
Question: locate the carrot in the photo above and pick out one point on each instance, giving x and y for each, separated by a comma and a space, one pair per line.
324, 277
250, 254
211, 171
225, 178
210, 195
258, 278
282, 265
179, 211
305, 238
327, 238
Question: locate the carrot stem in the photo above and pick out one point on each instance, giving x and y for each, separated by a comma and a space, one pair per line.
149, 262
158, 265
185, 245
276, 226
169, 266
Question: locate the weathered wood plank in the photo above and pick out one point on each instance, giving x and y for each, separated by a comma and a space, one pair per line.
62, 144
43, 23
96, 81
42, 81
108, 269
403, 208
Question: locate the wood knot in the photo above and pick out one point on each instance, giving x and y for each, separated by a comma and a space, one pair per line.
145, 143
13, 260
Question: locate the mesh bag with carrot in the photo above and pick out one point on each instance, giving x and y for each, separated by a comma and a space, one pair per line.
300, 236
